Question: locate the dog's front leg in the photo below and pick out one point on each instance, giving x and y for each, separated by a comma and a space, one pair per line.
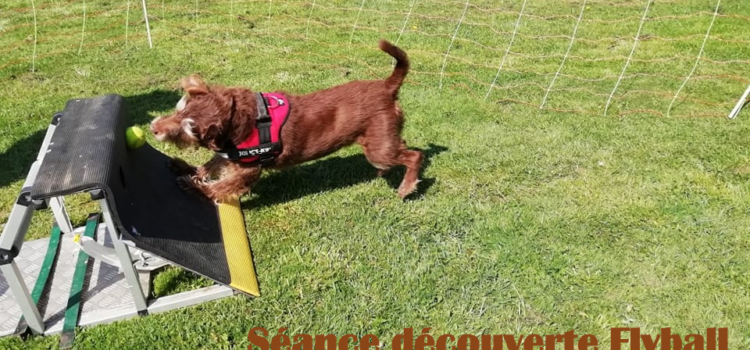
193, 180
192, 184
180, 167
235, 181
197, 182
211, 168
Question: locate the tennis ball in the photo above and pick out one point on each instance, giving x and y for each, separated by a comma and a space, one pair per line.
135, 137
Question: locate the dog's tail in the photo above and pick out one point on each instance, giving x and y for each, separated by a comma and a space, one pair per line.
402, 65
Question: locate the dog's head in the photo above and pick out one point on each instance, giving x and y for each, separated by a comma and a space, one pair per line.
200, 118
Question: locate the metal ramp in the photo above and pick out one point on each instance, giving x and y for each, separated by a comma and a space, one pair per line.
93, 277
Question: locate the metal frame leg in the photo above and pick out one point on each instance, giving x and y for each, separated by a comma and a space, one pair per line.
21, 213
23, 297
126, 261
57, 204
15, 231
17, 225
20, 216
12, 238
736, 110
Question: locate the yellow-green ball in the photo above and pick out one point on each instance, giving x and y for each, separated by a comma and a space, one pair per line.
135, 137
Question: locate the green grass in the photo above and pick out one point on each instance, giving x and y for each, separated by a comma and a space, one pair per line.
528, 221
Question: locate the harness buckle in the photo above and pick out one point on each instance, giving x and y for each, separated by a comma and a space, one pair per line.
263, 121
279, 102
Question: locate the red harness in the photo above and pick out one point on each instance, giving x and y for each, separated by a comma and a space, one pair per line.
264, 142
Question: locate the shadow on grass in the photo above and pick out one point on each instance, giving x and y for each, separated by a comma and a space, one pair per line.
157, 100
328, 175
17, 159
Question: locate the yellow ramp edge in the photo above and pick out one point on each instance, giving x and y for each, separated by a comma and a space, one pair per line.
237, 248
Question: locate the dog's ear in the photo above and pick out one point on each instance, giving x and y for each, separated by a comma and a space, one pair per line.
194, 85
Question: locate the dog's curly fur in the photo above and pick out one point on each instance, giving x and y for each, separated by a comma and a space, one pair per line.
320, 123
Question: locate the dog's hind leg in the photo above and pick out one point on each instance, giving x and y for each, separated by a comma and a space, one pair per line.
371, 153
413, 161
385, 149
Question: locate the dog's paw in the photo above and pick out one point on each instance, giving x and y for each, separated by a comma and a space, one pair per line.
187, 184
407, 188
180, 167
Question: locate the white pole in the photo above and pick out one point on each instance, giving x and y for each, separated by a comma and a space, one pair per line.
148, 28
740, 103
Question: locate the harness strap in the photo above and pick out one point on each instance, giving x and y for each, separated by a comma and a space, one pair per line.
263, 124
266, 148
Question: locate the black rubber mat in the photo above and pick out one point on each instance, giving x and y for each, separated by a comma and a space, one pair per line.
163, 219
84, 151
88, 152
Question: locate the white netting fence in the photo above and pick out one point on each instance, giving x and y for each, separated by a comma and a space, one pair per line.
682, 58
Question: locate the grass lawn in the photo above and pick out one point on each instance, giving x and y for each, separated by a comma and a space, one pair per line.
527, 221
